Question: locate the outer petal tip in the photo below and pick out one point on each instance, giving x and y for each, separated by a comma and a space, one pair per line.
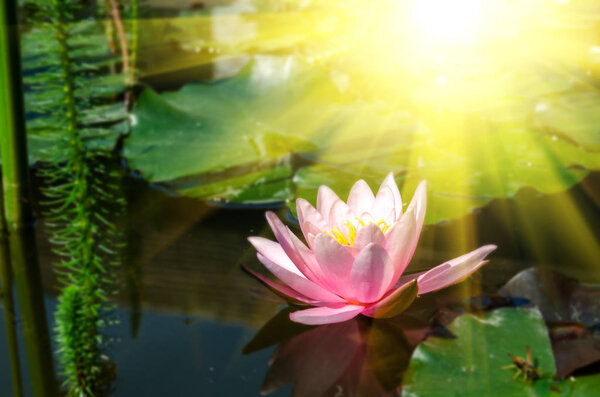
360, 198
325, 200
302, 203
253, 240
272, 219
454, 270
490, 247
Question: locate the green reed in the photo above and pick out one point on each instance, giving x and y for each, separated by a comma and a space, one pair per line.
18, 253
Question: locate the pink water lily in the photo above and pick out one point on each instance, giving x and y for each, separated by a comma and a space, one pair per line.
356, 255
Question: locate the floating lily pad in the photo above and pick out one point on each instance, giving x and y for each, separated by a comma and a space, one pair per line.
476, 127
221, 141
472, 363
575, 117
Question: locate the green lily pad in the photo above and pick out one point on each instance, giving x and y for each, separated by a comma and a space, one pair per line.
575, 117
239, 140
472, 364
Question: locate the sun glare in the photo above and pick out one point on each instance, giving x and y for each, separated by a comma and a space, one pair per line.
452, 21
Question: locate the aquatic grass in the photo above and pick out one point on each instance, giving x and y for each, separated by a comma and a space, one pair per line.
78, 351
76, 109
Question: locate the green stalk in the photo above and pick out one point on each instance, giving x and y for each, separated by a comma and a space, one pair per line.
9, 306
17, 209
134, 39
14, 145
23, 256
132, 76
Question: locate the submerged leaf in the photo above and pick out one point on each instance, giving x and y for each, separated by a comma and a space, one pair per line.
572, 310
559, 298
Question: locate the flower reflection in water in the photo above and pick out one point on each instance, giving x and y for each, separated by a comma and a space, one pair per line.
360, 357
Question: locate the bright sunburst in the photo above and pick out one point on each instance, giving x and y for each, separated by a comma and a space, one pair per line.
494, 90
452, 21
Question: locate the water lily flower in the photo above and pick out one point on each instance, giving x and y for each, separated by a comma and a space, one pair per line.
356, 255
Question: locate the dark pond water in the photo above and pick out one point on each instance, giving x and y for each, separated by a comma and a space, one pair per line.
185, 310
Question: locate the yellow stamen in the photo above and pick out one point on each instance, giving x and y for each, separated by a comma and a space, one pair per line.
338, 235
383, 225
351, 232
348, 240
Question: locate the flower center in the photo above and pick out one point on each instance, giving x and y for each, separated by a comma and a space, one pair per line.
348, 238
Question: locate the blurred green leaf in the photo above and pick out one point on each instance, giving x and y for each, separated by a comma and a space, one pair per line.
281, 128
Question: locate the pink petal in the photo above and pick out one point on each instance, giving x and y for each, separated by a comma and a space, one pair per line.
405, 278
366, 217
360, 198
419, 204
282, 234
453, 271
370, 233
401, 242
390, 182
275, 253
384, 205
325, 200
308, 214
403, 237
395, 303
335, 262
371, 273
274, 258
281, 289
339, 214
311, 239
310, 231
308, 257
299, 283
326, 314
